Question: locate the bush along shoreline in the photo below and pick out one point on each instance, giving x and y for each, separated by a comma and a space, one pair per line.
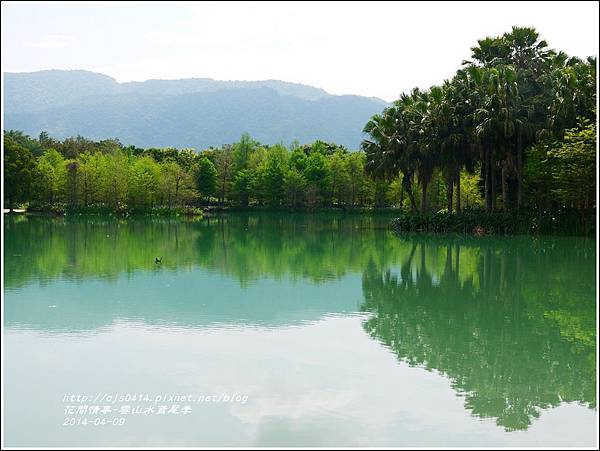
59, 209
479, 222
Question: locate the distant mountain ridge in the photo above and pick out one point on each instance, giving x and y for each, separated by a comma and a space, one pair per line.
195, 112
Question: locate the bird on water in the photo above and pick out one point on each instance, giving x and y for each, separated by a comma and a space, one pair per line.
157, 260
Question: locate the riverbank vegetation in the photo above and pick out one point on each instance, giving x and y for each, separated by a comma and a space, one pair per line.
513, 131
513, 222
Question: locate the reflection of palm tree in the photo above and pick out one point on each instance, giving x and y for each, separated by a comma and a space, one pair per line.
507, 365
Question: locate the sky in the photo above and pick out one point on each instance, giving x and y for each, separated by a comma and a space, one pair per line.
371, 49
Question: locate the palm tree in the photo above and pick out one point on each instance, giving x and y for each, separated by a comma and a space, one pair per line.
462, 98
436, 125
422, 148
483, 123
514, 92
387, 152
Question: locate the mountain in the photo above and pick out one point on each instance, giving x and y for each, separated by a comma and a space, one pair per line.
195, 112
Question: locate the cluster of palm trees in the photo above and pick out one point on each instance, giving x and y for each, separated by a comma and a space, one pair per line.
513, 93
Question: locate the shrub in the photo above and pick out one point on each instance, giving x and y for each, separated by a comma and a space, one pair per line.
565, 222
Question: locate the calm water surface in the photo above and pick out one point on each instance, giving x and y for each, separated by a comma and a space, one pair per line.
285, 330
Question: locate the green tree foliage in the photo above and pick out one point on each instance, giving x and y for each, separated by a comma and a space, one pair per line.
177, 184
20, 173
18, 137
206, 177
513, 95
273, 175
318, 178
80, 174
144, 182
52, 173
103, 175
561, 173
295, 187
242, 187
243, 150
224, 162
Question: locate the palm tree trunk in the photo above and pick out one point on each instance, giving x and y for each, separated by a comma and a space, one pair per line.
458, 191
519, 170
406, 180
449, 190
413, 202
487, 180
401, 195
493, 183
504, 187
424, 184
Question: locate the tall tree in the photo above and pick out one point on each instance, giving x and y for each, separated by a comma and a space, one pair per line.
206, 178
20, 173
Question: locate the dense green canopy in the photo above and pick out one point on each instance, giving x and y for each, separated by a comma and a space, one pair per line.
514, 94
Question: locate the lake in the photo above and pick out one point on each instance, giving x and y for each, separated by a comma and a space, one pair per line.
270, 329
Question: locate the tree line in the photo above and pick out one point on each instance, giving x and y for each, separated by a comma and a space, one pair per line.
79, 173
520, 115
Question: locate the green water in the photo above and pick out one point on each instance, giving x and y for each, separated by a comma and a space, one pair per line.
321, 330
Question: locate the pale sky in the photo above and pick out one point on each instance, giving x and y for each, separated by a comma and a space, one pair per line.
372, 49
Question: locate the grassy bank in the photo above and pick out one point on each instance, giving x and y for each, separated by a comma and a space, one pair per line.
480, 222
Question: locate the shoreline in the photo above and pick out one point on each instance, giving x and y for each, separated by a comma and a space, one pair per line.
470, 222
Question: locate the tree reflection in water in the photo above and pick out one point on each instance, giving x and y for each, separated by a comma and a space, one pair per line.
508, 321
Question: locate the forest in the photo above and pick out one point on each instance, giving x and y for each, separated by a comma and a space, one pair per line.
80, 174
513, 130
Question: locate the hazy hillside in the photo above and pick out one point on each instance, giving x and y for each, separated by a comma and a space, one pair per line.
196, 112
